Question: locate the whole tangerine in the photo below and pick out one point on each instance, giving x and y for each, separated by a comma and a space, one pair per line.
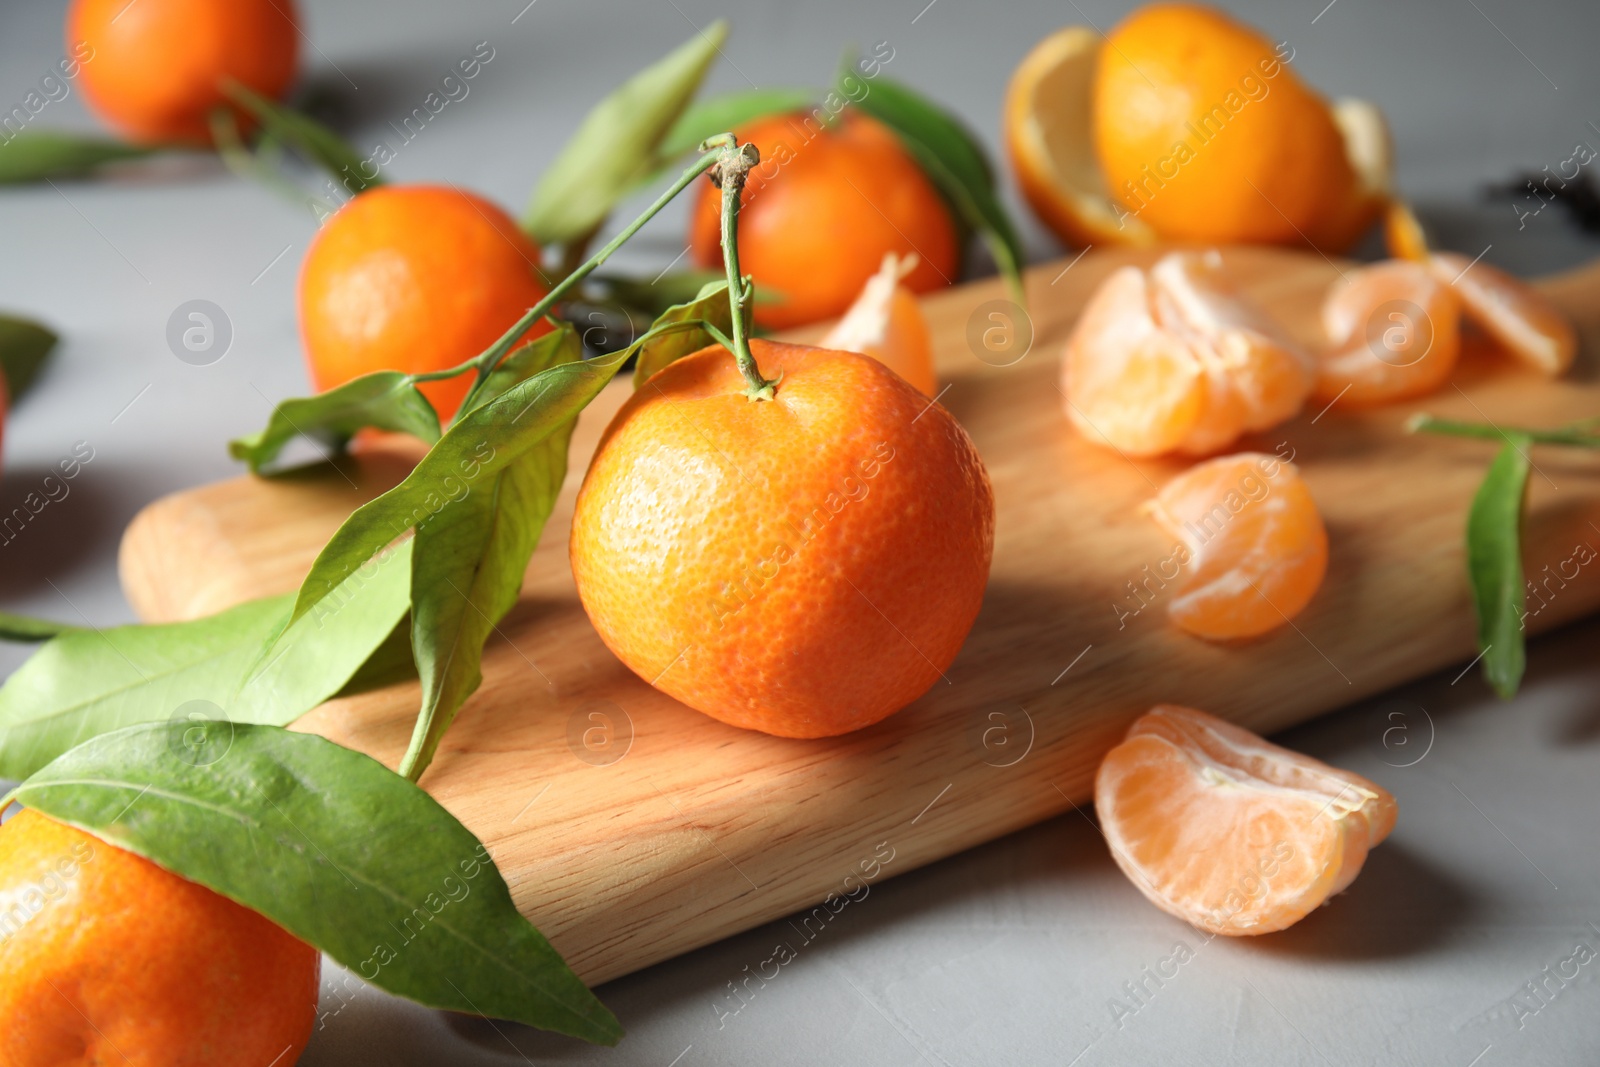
821, 210
106, 958
804, 566
1205, 133
414, 278
154, 70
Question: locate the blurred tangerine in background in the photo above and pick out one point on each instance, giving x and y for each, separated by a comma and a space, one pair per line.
154, 70
821, 210
414, 278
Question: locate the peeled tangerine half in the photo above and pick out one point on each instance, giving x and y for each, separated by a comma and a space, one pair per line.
1256, 549
1228, 831
1519, 318
1173, 359
1394, 334
886, 323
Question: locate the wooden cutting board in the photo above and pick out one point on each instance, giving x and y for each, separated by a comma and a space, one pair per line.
632, 829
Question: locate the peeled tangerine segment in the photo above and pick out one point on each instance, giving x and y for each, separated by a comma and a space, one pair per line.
1394, 334
1174, 359
1255, 546
1509, 310
886, 323
1228, 831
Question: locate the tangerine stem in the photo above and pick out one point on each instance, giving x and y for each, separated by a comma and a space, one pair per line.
730, 173
490, 358
1577, 438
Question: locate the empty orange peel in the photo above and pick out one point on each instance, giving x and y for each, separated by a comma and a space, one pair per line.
886, 323
1228, 831
1254, 547
1174, 359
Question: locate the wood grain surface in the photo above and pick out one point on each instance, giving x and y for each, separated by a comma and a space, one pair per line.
632, 829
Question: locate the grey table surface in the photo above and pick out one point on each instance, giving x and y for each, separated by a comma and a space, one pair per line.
1450, 949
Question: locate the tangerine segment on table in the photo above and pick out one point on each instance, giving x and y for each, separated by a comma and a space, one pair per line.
886, 323
1204, 132
1255, 549
414, 278
1228, 831
803, 566
113, 954
1175, 359
1393, 331
1516, 315
156, 68
820, 211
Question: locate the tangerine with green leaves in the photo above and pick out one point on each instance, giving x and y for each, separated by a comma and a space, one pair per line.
804, 566
106, 958
154, 70
414, 278
821, 210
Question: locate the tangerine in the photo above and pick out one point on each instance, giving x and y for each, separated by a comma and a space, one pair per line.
1228, 831
1204, 133
821, 210
414, 278
1175, 359
1255, 546
106, 958
154, 70
1394, 334
804, 566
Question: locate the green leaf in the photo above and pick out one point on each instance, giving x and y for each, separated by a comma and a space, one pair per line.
470, 558
728, 111
39, 155
954, 162
615, 147
383, 400
23, 629
667, 343
24, 346
1494, 564
307, 136
333, 847
84, 683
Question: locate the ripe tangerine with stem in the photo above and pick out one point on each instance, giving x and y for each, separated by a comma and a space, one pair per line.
821, 211
155, 69
414, 278
116, 953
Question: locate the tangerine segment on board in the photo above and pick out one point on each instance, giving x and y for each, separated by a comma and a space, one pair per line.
1204, 131
414, 278
1254, 547
804, 566
886, 323
110, 959
820, 211
1228, 831
154, 69
1175, 359
1394, 334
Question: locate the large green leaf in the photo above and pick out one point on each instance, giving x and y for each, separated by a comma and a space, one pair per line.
470, 558
615, 146
39, 155
728, 111
954, 161
383, 400
331, 846
24, 347
24, 629
1494, 564
87, 682
711, 306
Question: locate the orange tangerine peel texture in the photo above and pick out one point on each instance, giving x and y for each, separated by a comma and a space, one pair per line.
1393, 332
1228, 831
1173, 359
1255, 546
886, 323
